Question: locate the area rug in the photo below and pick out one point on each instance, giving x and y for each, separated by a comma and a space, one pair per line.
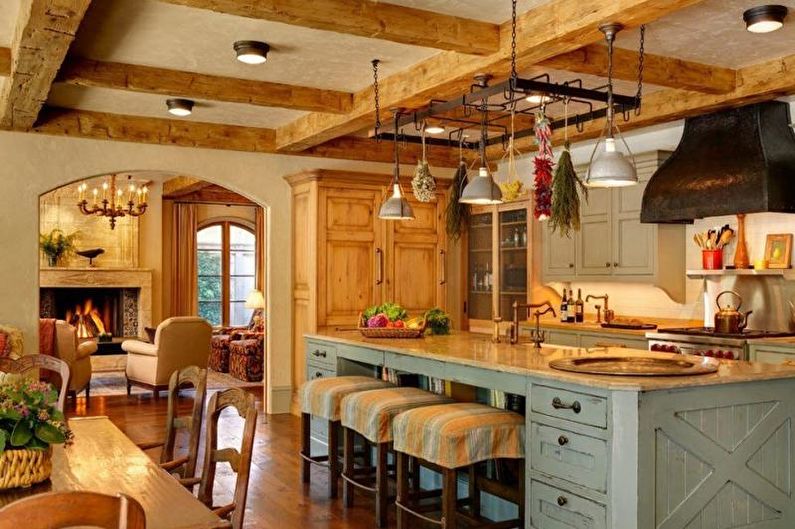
114, 383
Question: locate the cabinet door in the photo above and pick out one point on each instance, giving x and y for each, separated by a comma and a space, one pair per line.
416, 259
559, 254
481, 267
350, 271
594, 253
633, 243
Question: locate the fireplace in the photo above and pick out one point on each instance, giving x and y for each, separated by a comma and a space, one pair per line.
93, 311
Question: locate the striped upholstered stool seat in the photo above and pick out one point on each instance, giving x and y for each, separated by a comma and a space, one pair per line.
453, 437
370, 414
461, 434
321, 398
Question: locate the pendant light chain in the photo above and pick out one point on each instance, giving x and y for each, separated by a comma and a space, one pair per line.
640, 69
514, 74
377, 101
610, 35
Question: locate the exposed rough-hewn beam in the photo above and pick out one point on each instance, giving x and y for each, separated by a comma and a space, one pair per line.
45, 30
367, 18
658, 70
760, 82
191, 85
212, 194
182, 185
5, 61
183, 133
560, 26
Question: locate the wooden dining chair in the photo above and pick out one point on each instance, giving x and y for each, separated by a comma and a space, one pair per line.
57, 510
184, 466
239, 460
28, 363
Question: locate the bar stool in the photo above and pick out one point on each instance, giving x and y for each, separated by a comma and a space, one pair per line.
321, 398
370, 414
457, 436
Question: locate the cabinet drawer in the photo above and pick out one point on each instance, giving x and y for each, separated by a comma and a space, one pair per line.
314, 370
553, 508
570, 405
321, 353
570, 456
607, 340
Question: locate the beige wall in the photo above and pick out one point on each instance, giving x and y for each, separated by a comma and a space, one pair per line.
34, 164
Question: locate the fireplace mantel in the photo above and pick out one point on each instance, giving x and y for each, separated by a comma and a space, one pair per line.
95, 277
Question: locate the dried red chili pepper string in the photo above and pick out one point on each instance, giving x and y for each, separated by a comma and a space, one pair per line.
542, 191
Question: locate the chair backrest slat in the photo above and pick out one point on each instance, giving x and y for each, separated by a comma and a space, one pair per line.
26, 364
195, 377
58, 510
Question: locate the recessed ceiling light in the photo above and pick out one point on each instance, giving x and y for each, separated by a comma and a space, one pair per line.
764, 19
434, 129
251, 51
538, 98
179, 107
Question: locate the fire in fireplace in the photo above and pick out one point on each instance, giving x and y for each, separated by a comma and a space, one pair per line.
92, 311
87, 319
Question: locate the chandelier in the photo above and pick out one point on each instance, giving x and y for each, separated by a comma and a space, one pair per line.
113, 204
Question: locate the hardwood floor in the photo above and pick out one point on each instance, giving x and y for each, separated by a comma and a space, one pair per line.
277, 499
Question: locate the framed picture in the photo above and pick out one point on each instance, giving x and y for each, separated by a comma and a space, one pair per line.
778, 250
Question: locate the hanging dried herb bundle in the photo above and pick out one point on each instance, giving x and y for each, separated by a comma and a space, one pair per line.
542, 191
566, 188
423, 184
457, 212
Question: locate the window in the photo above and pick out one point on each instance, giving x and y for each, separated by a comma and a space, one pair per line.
227, 272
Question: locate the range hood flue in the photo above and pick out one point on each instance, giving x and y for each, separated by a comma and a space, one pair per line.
735, 161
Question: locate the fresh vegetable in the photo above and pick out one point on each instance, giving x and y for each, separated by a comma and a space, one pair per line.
398, 324
543, 168
415, 323
393, 311
379, 320
438, 321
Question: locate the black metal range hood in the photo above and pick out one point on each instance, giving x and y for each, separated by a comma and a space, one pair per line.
735, 161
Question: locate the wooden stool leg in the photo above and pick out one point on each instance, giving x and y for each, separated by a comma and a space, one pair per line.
474, 491
449, 498
402, 486
415, 475
333, 458
348, 438
381, 485
305, 446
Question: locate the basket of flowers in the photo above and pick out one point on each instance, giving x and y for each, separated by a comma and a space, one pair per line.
30, 423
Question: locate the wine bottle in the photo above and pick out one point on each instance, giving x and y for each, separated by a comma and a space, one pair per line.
572, 308
488, 282
564, 308
579, 308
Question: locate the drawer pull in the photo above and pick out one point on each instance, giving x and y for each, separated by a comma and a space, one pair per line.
319, 353
559, 405
562, 500
563, 440
318, 374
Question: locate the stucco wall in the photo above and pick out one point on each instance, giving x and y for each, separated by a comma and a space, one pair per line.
31, 165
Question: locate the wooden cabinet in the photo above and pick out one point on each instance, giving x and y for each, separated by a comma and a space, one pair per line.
499, 262
613, 245
771, 354
345, 258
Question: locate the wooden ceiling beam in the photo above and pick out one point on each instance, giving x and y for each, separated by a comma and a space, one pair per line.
212, 194
175, 83
183, 133
182, 185
560, 26
45, 30
657, 70
367, 18
756, 83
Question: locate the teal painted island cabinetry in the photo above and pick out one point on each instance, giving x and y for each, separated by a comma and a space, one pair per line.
613, 452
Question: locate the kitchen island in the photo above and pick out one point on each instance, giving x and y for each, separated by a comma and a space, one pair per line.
706, 451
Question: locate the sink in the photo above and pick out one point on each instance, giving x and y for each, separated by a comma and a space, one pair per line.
647, 366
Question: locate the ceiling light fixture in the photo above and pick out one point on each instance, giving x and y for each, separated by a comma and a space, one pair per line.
434, 129
609, 167
482, 189
764, 19
251, 51
179, 107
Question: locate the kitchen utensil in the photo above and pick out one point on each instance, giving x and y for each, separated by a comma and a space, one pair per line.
725, 238
728, 319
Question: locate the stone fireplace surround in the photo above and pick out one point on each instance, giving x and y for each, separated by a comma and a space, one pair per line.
125, 278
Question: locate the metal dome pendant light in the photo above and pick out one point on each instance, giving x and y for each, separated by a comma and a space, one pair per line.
395, 207
608, 166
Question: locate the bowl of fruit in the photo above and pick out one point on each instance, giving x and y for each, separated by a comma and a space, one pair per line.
390, 320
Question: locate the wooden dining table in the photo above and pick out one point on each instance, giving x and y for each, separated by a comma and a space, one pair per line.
103, 459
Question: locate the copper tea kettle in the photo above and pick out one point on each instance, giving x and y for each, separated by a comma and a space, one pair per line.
728, 319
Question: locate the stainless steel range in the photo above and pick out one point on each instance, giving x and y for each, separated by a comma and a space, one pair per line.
704, 341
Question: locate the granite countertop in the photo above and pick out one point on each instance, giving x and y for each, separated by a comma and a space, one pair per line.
477, 350
590, 325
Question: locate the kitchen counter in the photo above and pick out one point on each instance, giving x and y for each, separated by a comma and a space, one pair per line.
477, 350
590, 325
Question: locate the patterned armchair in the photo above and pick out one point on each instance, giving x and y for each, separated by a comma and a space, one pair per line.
247, 359
224, 336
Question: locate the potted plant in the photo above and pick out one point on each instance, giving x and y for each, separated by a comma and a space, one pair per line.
30, 423
56, 244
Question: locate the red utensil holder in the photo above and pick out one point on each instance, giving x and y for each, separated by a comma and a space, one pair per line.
712, 259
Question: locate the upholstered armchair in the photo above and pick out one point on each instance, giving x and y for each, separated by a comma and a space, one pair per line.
224, 336
77, 355
179, 342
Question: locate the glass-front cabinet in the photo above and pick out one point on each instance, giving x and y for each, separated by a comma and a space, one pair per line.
498, 262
